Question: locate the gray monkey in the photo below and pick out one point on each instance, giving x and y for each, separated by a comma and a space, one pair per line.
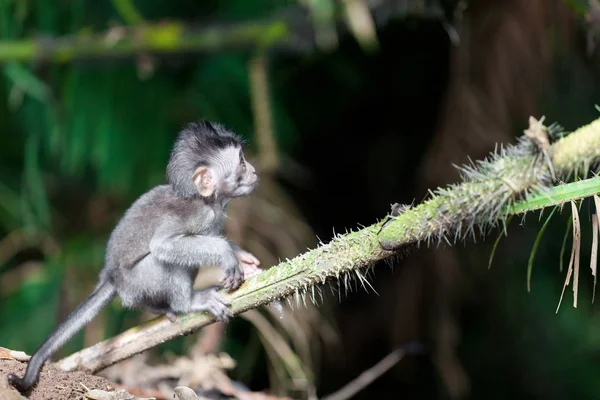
155, 251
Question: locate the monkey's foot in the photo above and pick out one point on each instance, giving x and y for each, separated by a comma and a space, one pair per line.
249, 263
250, 270
211, 301
245, 257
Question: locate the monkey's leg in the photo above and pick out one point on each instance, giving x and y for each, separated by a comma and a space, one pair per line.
204, 302
211, 301
183, 299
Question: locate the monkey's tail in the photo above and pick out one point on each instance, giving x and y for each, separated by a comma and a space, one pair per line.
84, 312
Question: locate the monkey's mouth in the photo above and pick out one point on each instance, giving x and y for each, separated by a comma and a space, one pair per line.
248, 187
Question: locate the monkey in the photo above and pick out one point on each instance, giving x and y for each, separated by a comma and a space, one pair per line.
155, 251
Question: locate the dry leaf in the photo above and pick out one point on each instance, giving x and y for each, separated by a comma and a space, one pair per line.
5, 354
574, 255
577, 250
594, 257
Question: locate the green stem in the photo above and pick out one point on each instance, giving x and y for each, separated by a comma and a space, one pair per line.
536, 244
172, 37
160, 38
558, 195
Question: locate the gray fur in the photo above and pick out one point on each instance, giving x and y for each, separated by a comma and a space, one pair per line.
155, 251
192, 150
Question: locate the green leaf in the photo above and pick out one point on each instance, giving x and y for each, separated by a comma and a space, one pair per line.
535, 247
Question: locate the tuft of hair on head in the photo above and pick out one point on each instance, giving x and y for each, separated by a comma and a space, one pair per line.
198, 144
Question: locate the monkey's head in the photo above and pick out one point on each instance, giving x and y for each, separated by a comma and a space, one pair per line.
208, 160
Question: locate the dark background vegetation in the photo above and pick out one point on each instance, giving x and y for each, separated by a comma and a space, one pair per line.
355, 132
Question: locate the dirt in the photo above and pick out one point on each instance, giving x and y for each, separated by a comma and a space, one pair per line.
54, 384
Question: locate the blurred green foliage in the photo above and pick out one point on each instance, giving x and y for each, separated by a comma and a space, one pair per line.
80, 141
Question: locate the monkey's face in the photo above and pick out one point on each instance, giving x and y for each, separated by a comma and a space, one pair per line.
239, 176
229, 175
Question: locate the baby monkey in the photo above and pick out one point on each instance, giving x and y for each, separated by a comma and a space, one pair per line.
154, 253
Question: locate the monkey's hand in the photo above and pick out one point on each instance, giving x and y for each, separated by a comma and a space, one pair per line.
245, 266
233, 275
249, 263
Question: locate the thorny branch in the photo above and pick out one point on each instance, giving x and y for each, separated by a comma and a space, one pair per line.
492, 188
348, 256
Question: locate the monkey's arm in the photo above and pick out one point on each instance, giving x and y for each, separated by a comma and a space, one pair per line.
172, 246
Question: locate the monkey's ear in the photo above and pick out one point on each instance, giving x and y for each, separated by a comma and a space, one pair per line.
204, 181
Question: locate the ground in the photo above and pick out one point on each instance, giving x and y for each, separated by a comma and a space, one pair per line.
54, 384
